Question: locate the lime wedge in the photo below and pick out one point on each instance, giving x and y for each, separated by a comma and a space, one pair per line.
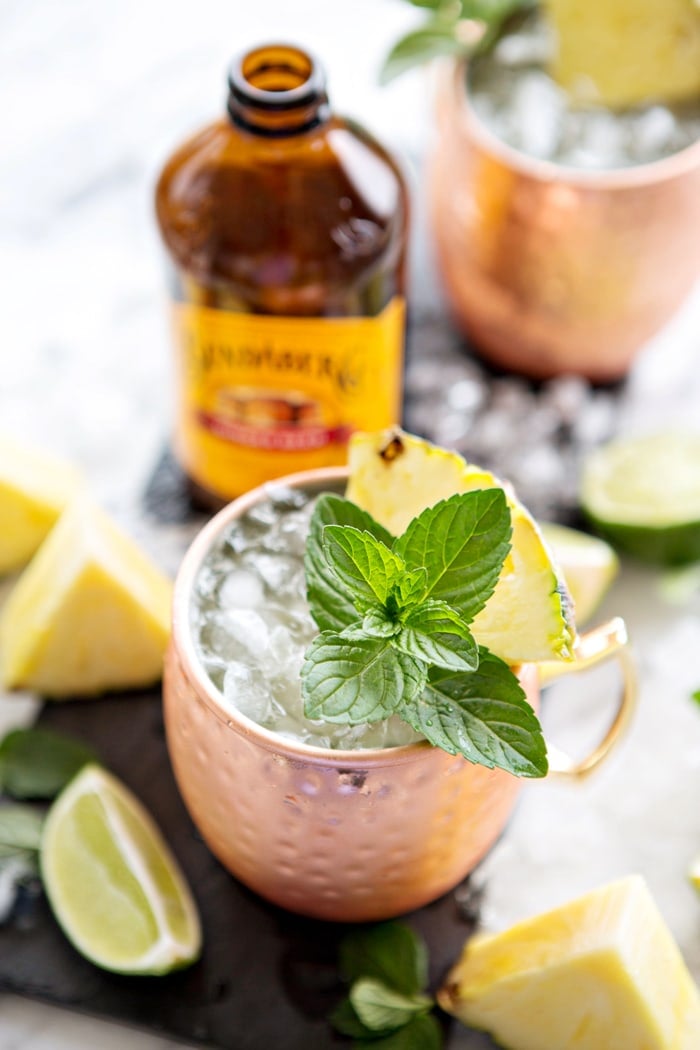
395, 476
113, 884
589, 566
643, 494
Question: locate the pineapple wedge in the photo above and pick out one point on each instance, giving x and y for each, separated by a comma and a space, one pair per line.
89, 614
529, 617
626, 52
34, 489
600, 973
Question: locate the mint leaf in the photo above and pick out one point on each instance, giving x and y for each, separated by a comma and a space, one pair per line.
20, 830
483, 716
410, 587
330, 602
381, 1008
378, 623
390, 952
421, 1033
363, 564
434, 633
435, 39
345, 1020
462, 542
695, 696
355, 680
38, 763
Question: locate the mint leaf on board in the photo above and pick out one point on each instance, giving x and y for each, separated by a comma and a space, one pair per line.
384, 1009
345, 1020
462, 543
421, 1033
390, 952
434, 633
484, 716
38, 763
330, 602
355, 680
20, 830
364, 565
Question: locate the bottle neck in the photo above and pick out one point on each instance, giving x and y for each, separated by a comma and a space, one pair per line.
277, 90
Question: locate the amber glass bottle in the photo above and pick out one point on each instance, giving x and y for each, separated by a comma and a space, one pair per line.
286, 227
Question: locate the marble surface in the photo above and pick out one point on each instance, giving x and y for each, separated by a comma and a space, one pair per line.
95, 97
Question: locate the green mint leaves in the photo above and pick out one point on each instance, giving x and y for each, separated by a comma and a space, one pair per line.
394, 616
38, 763
386, 968
457, 28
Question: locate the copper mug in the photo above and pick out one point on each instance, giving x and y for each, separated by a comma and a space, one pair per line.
341, 835
551, 269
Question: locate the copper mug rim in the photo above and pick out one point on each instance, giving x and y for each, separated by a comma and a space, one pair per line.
604, 642
192, 667
647, 174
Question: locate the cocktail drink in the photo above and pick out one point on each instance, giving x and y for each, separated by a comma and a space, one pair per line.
312, 782
564, 227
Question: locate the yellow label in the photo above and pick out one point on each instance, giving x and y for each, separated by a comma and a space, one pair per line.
261, 396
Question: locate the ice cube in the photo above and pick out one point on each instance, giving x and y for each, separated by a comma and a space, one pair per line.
247, 632
241, 589
245, 689
281, 573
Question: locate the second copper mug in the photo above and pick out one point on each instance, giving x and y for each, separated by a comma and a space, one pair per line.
552, 269
341, 835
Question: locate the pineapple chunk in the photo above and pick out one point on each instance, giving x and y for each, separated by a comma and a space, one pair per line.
529, 617
89, 614
600, 973
34, 489
626, 52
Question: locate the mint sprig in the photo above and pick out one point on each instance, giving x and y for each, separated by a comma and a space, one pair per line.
387, 1006
394, 616
453, 28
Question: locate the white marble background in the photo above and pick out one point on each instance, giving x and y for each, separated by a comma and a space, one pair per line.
93, 95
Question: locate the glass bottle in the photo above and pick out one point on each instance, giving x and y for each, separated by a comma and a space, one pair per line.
286, 227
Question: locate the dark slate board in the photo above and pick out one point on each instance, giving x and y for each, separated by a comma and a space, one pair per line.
266, 979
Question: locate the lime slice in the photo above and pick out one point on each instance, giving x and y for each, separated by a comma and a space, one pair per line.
602, 972
112, 882
589, 566
395, 476
643, 494
90, 613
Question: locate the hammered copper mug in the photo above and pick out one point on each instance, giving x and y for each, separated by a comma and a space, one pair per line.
552, 269
340, 835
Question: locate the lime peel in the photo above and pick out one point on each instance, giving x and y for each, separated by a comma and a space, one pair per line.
144, 889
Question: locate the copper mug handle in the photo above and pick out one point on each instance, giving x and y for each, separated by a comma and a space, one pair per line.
607, 642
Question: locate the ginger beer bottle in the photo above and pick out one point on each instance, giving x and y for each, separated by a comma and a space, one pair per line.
286, 229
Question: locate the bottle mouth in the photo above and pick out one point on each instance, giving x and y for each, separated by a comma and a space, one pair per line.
276, 78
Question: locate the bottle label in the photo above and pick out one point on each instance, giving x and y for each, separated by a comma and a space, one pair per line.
262, 396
